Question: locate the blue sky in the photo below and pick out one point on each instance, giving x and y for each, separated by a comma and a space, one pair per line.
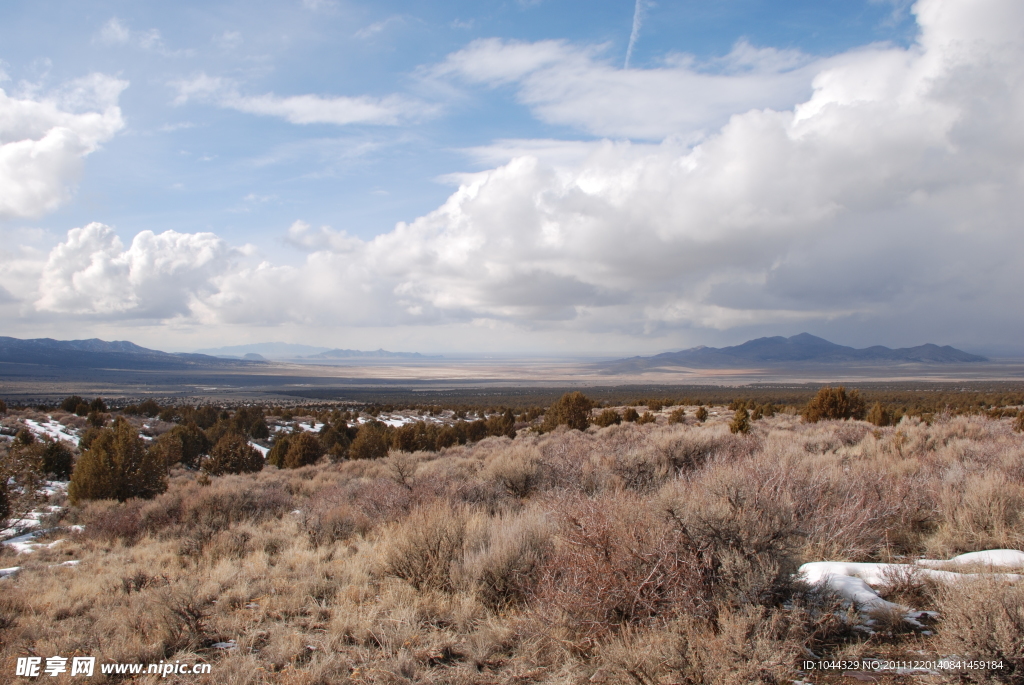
246, 177
270, 150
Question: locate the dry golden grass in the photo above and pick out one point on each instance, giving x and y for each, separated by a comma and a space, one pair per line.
658, 553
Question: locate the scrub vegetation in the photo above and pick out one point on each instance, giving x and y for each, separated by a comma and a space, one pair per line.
650, 543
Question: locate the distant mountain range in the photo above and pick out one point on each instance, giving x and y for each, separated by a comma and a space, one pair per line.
100, 354
268, 350
295, 352
797, 350
376, 354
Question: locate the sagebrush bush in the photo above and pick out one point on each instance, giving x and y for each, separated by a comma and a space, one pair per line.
617, 563
502, 571
424, 549
517, 469
742, 523
984, 618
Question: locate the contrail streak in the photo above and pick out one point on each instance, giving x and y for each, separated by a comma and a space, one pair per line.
638, 18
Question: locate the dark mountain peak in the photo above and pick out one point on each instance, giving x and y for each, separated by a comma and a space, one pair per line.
802, 348
100, 354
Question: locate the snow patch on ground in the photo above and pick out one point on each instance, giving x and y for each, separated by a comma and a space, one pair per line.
995, 558
51, 429
260, 448
855, 582
397, 421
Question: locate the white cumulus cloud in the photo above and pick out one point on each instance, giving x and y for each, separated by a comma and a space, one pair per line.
157, 276
44, 140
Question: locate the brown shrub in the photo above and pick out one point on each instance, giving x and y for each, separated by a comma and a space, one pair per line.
742, 523
423, 549
516, 469
617, 563
979, 511
503, 570
983, 619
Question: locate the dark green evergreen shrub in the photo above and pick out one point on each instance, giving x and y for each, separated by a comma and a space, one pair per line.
5, 502
834, 403
572, 410
701, 414
740, 421
184, 444
233, 454
503, 424
880, 415
71, 403
630, 415
149, 408
280, 448
118, 466
371, 442
608, 417
57, 459
304, 449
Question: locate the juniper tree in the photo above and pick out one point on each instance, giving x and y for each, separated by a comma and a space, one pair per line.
303, 450
118, 466
834, 403
740, 421
572, 409
233, 454
371, 442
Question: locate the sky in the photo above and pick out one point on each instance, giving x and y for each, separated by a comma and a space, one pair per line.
518, 177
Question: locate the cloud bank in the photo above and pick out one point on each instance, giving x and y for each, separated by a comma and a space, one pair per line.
891, 196
44, 140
